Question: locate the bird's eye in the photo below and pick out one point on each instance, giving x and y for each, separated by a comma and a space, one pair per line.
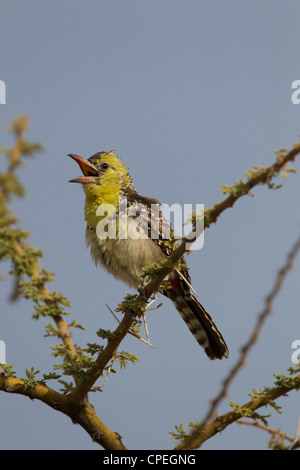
104, 166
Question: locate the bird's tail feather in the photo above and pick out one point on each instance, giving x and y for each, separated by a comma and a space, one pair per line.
199, 323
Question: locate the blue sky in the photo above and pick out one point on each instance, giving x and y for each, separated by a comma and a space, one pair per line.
190, 95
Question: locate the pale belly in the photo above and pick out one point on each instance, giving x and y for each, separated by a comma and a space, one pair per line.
125, 258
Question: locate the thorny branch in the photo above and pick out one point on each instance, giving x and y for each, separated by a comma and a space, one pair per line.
277, 437
218, 424
262, 317
75, 404
259, 176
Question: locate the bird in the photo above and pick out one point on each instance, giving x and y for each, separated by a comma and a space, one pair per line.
107, 183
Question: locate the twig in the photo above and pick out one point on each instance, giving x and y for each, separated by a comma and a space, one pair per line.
296, 441
264, 176
256, 331
201, 434
131, 332
274, 432
19, 127
108, 370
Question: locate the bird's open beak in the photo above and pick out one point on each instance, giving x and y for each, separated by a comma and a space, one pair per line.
89, 171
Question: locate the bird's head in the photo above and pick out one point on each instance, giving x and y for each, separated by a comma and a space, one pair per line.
103, 173
104, 178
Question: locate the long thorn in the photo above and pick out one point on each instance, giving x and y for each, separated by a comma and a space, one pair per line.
108, 370
146, 329
131, 332
186, 281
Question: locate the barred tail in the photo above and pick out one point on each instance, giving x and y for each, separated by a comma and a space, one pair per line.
199, 323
